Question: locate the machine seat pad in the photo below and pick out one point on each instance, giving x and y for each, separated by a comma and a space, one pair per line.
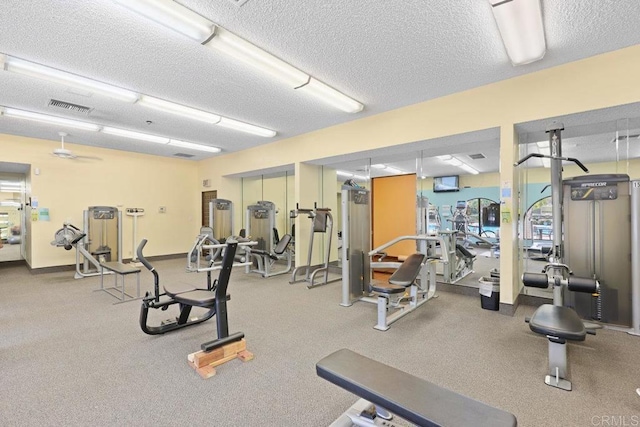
408, 271
464, 251
414, 399
119, 267
198, 298
561, 322
174, 289
386, 288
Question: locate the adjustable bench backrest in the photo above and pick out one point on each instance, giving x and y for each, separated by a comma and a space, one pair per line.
406, 274
282, 244
409, 397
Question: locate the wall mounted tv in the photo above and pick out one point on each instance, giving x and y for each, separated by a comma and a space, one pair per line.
442, 184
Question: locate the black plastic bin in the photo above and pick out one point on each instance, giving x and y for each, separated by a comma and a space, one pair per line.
490, 302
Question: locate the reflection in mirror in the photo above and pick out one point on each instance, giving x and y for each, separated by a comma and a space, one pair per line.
12, 190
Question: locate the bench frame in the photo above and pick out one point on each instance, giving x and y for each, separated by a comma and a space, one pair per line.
119, 269
402, 305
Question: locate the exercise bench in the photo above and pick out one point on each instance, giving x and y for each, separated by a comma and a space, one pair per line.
385, 390
122, 270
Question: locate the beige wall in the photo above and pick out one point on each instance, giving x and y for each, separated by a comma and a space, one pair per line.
121, 179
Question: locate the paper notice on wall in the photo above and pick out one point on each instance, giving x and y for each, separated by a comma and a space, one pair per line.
34, 215
34, 202
43, 214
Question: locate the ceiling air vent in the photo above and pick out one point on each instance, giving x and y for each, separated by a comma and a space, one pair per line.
69, 106
186, 156
477, 156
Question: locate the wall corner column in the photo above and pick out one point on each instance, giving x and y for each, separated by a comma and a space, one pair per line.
509, 190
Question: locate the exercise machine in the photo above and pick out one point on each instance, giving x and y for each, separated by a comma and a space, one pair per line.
321, 223
221, 219
212, 297
260, 225
385, 391
265, 261
461, 259
460, 223
102, 226
414, 282
556, 321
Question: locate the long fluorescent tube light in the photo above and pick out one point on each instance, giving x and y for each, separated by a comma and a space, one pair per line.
135, 135
226, 42
172, 15
521, 27
180, 110
469, 169
331, 96
192, 146
445, 157
378, 166
245, 127
45, 118
454, 162
346, 174
393, 170
32, 69
543, 144
183, 20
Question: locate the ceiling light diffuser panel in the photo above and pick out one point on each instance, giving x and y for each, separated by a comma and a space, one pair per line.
522, 29
45, 118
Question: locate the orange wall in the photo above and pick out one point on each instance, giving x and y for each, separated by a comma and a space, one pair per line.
394, 212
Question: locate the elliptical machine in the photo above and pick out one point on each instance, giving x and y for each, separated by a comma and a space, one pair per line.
557, 322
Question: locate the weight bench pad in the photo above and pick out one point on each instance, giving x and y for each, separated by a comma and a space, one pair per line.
408, 271
179, 288
198, 298
561, 322
465, 252
409, 397
119, 267
384, 288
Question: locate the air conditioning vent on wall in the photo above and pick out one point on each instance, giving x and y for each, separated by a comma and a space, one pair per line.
477, 156
184, 155
69, 106
206, 183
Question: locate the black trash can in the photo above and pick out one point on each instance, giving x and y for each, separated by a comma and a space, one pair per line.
490, 293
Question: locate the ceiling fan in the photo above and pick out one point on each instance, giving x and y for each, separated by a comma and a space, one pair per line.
64, 153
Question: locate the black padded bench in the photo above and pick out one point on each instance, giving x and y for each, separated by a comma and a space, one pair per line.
409, 397
402, 277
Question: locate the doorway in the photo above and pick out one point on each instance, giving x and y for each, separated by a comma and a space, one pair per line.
207, 196
12, 211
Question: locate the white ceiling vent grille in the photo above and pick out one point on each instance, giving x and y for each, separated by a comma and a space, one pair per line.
187, 156
477, 156
70, 107
238, 3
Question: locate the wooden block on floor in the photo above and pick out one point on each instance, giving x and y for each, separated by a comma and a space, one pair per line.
205, 363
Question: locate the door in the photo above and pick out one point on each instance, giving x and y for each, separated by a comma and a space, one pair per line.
207, 196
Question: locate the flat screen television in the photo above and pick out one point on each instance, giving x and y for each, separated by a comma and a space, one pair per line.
445, 183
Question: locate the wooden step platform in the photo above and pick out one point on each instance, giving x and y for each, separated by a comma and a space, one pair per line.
205, 363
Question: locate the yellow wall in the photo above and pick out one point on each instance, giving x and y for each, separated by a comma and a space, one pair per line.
121, 179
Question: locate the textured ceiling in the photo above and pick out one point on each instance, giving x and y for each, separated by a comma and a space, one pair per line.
386, 54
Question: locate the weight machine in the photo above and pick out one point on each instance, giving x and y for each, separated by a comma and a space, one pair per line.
321, 223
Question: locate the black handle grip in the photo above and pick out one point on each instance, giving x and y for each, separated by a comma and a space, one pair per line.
141, 257
524, 159
579, 163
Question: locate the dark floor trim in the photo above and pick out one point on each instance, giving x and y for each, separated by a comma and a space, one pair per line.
15, 263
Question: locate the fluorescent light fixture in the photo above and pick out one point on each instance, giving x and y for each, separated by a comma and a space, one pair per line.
331, 96
135, 135
180, 110
393, 170
183, 20
543, 144
360, 177
192, 146
378, 166
32, 69
521, 28
45, 118
346, 174
469, 169
237, 47
445, 158
246, 127
172, 15
454, 162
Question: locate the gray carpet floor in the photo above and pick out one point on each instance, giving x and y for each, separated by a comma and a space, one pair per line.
68, 356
